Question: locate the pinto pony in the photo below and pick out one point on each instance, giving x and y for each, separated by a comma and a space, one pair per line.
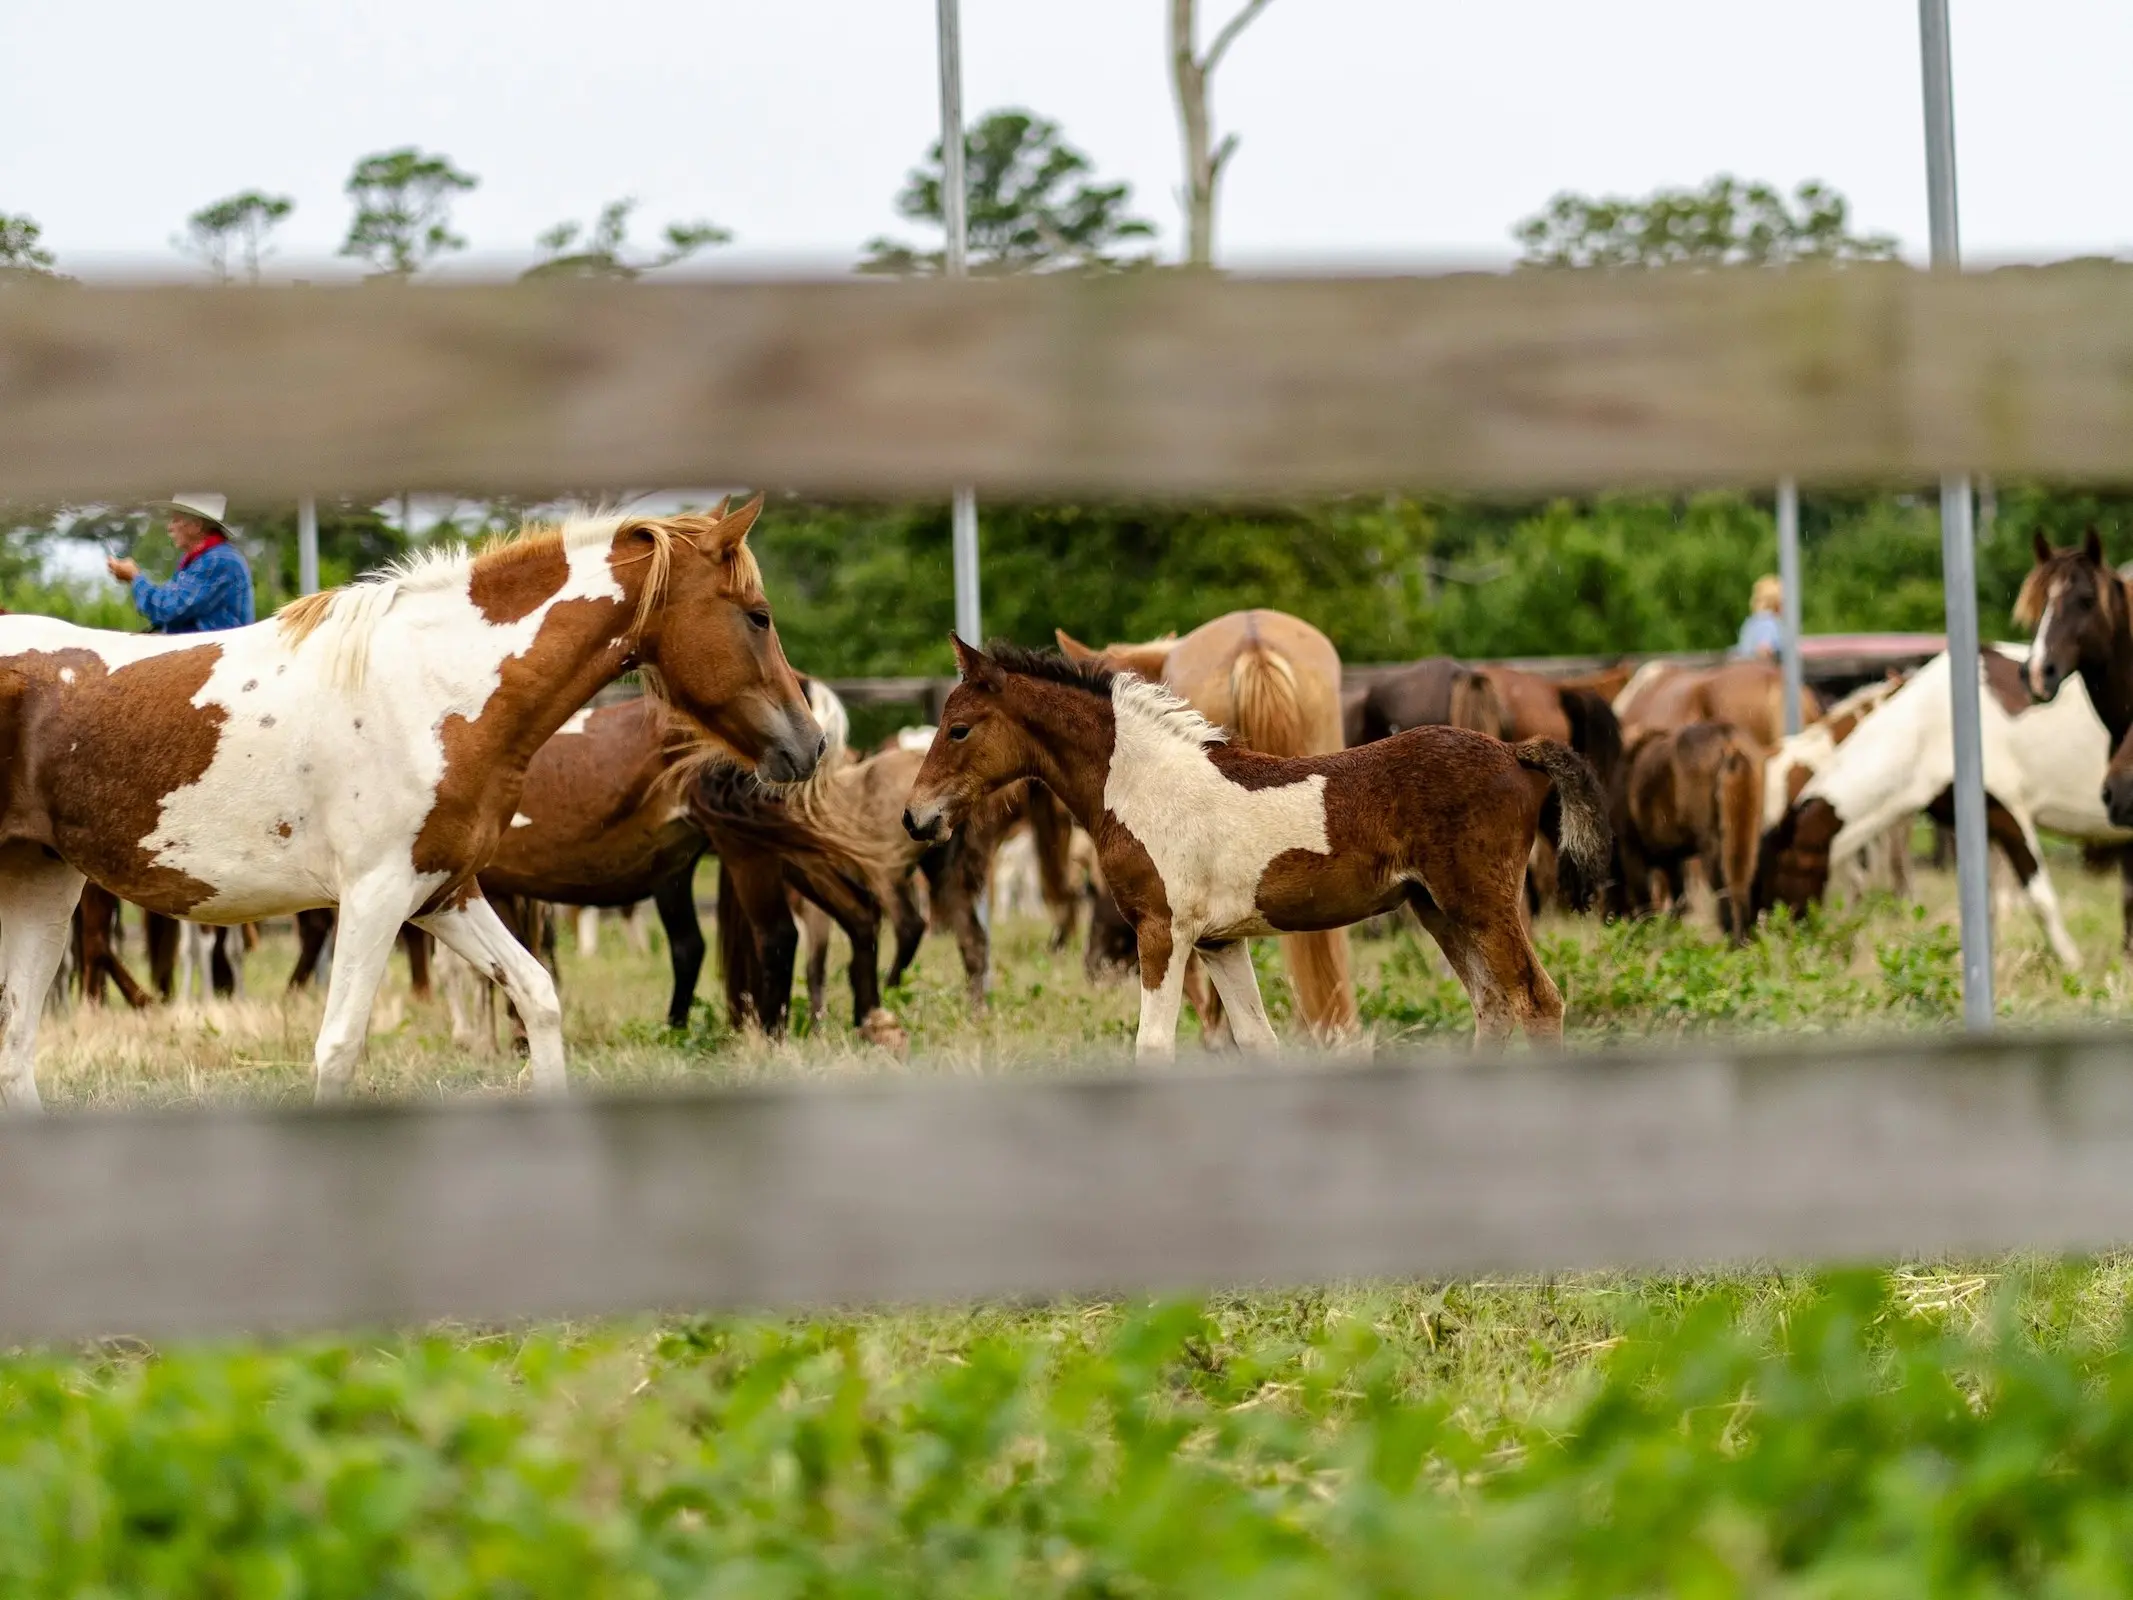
364, 749
1205, 845
1274, 682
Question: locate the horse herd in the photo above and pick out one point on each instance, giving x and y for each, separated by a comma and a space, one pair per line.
416, 756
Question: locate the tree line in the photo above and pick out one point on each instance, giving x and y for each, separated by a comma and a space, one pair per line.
867, 589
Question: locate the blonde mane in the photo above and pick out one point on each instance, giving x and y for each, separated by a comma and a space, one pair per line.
344, 620
1152, 706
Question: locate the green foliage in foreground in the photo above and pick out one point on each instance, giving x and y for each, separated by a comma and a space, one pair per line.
1851, 1435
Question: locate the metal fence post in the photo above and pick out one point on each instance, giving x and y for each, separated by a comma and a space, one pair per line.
307, 545
1788, 519
1958, 552
963, 515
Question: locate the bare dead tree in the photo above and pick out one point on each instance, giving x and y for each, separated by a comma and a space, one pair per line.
1204, 159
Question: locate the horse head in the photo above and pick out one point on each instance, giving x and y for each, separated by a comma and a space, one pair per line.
2078, 607
707, 644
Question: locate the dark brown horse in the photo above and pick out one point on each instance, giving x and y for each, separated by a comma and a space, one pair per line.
1434, 693
1206, 846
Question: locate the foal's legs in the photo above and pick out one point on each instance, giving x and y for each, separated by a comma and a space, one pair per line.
1230, 966
476, 933
1477, 924
1162, 988
676, 900
37, 897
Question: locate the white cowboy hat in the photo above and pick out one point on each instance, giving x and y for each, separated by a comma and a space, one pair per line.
208, 508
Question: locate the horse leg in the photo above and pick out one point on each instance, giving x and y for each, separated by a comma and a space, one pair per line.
1493, 1020
955, 901
2125, 897
1051, 830
417, 945
225, 969
908, 920
1215, 1032
1162, 989
815, 926
313, 929
1230, 966
478, 935
2018, 842
37, 898
675, 900
364, 928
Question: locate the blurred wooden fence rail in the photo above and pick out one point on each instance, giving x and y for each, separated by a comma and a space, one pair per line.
1140, 383
912, 1190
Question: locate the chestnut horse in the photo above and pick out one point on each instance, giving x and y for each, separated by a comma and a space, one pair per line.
1694, 791
1274, 682
363, 749
1206, 845
1748, 694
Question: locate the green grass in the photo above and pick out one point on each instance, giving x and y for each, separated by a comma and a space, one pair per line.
1946, 1427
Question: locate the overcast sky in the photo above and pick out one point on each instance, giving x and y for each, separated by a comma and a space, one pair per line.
1373, 131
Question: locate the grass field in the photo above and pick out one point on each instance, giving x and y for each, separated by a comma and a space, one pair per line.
1953, 1427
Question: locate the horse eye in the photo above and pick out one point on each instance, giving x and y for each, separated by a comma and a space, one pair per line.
959, 732
760, 618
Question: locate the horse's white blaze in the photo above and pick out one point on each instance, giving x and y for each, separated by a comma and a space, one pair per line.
575, 722
519, 819
2032, 673
366, 760
1210, 839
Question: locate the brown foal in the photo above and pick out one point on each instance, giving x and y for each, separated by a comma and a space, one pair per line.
1206, 846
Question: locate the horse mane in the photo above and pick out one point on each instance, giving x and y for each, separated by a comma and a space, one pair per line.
1130, 694
345, 619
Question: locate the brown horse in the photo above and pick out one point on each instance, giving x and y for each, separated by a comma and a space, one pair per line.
1206, 845
1748, 695
1274, 682
1695, 791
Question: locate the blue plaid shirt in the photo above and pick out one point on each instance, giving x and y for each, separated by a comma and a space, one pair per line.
210, 592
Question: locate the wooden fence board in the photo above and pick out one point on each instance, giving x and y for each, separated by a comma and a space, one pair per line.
930, 1189
1141, 383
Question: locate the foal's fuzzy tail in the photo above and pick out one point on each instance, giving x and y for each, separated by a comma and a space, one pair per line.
1584, 842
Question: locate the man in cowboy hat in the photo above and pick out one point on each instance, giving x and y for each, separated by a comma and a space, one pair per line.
212, 587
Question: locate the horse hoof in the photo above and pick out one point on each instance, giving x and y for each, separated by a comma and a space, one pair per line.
881, 1028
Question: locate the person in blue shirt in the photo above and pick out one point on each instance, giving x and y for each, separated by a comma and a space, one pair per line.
212, 588
1762, 636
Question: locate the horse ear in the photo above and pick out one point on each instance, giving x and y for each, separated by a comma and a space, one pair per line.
732, 527
2092, 545
1072, 648
2040, 546
974, 665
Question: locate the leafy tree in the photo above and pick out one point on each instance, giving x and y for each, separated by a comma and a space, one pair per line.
1032, 205
238, 225
597, 252
1726, 222
403, 218
1190, 70
353, 538
22, 258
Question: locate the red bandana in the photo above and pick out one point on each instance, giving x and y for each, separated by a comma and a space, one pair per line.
201, 549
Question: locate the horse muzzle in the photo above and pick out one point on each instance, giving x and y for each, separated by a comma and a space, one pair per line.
794, 752
2118, 798
927, 823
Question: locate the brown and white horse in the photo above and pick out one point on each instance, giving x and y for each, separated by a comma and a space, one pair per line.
364, 749
1274, 682
1205, 846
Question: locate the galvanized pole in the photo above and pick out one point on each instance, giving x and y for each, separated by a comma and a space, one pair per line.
1958, 552
1789, 577
963, 520
307, 545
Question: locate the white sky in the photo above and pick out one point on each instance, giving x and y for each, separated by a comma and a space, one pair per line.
1372, 130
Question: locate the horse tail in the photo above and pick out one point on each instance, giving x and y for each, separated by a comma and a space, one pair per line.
1475, 704
1740, 832
1263, 699
1584, 840
1595, 732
